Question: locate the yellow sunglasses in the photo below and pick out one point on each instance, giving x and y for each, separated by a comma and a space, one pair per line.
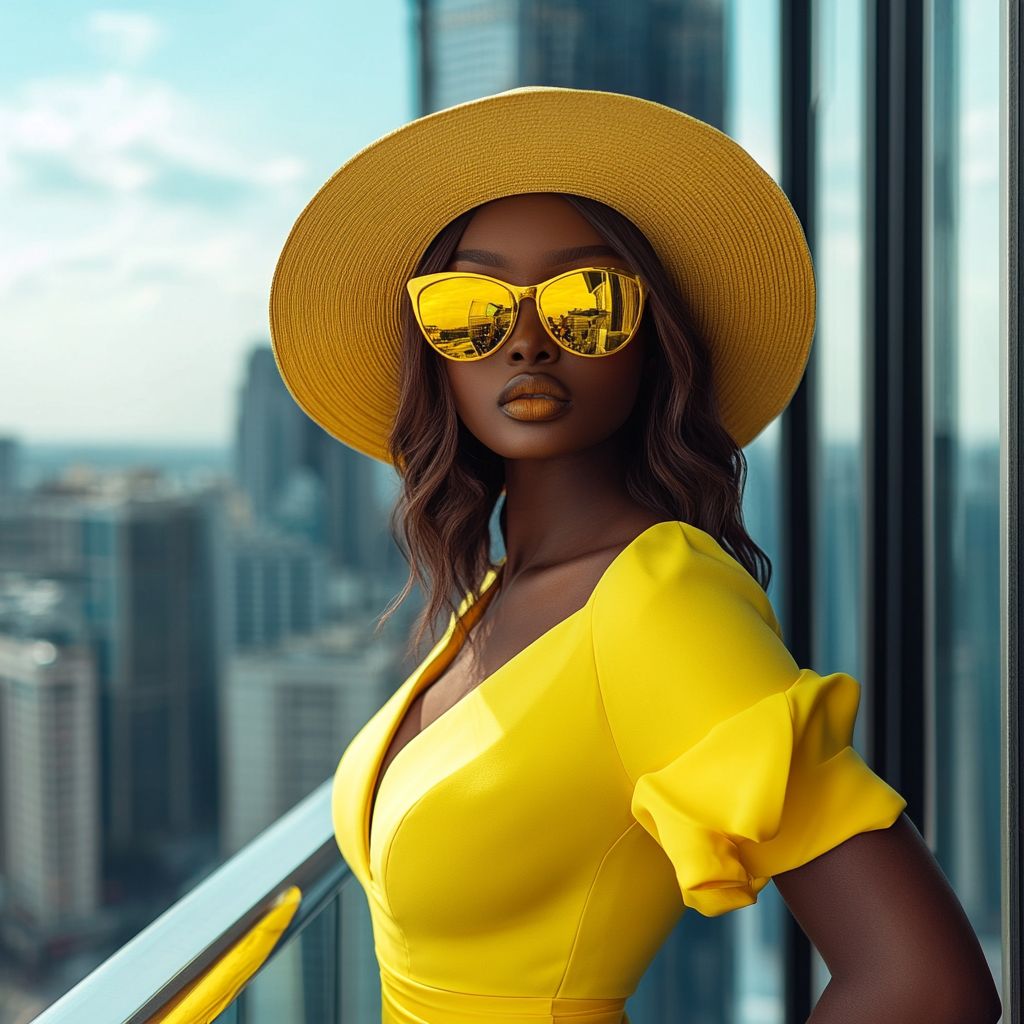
590, 312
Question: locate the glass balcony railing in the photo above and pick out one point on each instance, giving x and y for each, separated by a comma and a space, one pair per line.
257, 941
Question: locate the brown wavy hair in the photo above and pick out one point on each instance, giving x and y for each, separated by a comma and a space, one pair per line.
683, 464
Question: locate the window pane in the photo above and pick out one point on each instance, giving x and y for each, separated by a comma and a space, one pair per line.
839, 348
964, 289
192, 567
755, 123
839, 344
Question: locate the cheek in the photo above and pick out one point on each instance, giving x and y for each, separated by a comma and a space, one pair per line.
475, 389
613, 384
607, 389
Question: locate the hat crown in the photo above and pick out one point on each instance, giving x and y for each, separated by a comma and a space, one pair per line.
722, 228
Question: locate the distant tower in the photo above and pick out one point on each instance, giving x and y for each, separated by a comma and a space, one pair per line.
272, 435
280, 588
288, 717
301, 480
670, 51
161, 699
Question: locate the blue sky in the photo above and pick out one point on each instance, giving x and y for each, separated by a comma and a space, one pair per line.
152, 160
154, 156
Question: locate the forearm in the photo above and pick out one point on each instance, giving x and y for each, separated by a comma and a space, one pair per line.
890, 1001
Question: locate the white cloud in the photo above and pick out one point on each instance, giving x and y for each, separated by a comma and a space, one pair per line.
124, 36
123, 134
979, 146
135, 259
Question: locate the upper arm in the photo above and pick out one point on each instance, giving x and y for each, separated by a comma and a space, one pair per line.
892, 933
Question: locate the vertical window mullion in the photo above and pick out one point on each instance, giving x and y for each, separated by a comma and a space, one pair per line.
798, 423
895, 378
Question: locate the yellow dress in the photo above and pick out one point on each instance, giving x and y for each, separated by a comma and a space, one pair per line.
532, 849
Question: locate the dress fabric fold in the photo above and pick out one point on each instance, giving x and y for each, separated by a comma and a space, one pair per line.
530, 851
745, 803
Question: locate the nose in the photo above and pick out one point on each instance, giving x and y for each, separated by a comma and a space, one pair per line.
529, 343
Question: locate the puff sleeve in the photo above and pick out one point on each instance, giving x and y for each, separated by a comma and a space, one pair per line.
741, 764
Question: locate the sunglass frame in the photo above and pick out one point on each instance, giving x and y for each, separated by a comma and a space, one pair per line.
417, 285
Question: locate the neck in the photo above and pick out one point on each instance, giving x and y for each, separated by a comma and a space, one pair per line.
560, 508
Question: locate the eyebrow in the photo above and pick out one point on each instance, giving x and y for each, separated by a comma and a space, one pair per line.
580, 252
556, 257
484, 257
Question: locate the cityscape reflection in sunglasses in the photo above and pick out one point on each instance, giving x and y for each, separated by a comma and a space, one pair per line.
590, 312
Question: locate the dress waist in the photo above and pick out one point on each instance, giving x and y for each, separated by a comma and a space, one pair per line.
407, 1002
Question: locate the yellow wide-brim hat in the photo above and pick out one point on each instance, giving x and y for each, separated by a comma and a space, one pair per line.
723, 229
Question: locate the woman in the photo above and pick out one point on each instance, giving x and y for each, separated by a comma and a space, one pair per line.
611, 729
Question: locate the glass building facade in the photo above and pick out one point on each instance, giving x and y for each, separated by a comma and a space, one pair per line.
672, 51
962, 225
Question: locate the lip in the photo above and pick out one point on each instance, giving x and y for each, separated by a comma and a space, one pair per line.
534, 397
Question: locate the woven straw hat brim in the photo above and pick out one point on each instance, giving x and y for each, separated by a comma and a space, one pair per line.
723, 229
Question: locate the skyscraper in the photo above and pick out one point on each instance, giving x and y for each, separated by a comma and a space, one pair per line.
670, 51
161, 698
288, 716
272, 440
279, 588
301, 480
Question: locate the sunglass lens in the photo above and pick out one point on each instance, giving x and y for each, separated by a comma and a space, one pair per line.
592, 312
465, 318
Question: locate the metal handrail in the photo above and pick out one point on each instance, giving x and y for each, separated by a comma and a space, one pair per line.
148, 971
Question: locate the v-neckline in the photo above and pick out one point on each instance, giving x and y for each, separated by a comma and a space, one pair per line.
427, 676
445, 653
435, 665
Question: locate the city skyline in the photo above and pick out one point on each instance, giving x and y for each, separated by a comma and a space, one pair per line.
182, 658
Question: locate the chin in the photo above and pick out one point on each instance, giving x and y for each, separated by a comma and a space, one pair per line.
537, 440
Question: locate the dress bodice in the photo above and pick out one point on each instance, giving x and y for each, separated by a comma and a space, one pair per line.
659, 749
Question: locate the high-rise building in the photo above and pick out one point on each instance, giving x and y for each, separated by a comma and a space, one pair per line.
301, 480
287, 717
49, 797
671, 51
280, 588
161, 697
357, 507
150, 571
271, 448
